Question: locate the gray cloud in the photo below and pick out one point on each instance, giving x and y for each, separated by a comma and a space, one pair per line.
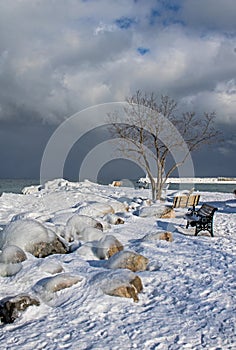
58, 57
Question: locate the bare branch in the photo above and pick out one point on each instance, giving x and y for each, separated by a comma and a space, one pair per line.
143, 129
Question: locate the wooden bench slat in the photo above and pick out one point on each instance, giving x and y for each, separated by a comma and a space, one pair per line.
184, 201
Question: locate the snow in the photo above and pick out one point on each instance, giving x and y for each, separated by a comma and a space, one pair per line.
189, 295
24, 234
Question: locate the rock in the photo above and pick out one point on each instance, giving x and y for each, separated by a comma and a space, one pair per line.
33, 237
122, 284
52, 267
95, 209
90, 234
107, 246
23, 234
12, 307
76, 225
168, 213
125, 291
12, 254
129, 291
165, 236
127, 260
118, 207
116, 183
113, 219
46, 287
43, 249
159, 211
8, 270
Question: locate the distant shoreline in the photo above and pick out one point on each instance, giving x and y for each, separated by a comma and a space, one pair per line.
206, 180
195, 180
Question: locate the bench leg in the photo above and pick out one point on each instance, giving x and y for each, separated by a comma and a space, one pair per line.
211, 230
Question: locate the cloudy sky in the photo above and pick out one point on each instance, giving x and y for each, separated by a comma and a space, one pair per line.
58, 57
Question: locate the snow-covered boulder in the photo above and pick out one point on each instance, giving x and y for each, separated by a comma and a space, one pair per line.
128, 290
95, 209
12, 307
121, 283
31, 189
113, 219
90, 234
33, 237
8, 270
118, 207
108, 246
46, 287
163, 236
159, 211
12, 254
77, 224
127, 260
51, 267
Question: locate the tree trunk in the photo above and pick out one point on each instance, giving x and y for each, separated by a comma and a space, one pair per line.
153, 186
159, 183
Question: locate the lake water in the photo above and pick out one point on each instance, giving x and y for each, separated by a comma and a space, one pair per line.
16, 186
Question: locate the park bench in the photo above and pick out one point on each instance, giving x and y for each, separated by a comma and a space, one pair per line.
202, 218
184, 201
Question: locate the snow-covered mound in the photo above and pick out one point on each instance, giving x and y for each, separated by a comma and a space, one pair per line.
31, 236
184, 285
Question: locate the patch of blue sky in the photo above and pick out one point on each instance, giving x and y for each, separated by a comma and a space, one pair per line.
163, 9
125, 22
143, 50
173, 7
172, 21
154, 16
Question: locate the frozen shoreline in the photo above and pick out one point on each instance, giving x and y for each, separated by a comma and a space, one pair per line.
188, 300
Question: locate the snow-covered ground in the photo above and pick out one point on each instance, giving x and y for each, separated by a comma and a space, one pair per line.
189, 295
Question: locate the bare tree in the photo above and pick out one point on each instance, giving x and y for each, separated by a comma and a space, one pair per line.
141, 136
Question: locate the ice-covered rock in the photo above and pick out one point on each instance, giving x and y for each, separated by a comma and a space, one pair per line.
163, 235
127, 260
31, 189
90, 234
12, 254
118, 207
12, 307
121, 283
128, 290
159, 211
33, 237
77, 224
108, 246
46, 287
51, 267
95, 209
8, 269
23, 233
61, 218
113, 219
